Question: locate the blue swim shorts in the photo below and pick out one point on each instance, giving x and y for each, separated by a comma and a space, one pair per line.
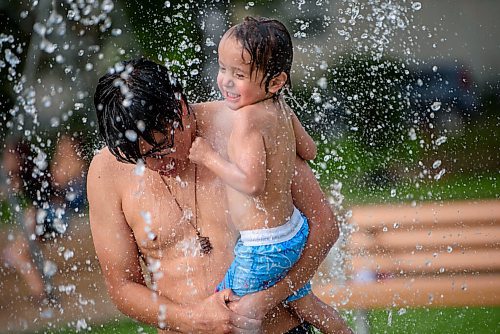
264, 256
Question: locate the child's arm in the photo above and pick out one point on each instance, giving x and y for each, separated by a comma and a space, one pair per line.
246, 171
306, 148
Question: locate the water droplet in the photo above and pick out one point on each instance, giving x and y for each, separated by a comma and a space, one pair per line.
107, 6
322, 83
146, 215
393, 192
141, 126
416, 5
81, 324
47, 313
436, 164
131, 135
440, 174
140, 168
449, 249
68, 254
441, 140
49, 268
436, 106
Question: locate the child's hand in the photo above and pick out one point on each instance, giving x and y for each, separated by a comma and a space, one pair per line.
200, 151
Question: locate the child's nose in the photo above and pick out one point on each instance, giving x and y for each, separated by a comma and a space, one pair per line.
228, 81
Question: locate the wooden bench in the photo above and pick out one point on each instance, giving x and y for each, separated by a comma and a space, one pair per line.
431, 255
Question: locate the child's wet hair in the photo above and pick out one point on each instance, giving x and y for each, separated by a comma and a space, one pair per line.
269, 44
134, 100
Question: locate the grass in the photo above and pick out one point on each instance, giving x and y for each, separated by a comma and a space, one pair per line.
468, 320
116, 326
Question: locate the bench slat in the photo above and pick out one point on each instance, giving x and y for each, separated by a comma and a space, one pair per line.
430, 262
483, 212
485, 237
454, 291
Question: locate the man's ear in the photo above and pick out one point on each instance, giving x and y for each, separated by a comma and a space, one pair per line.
277, 82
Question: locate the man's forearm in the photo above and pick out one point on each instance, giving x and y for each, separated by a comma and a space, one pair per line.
208, 315
147, 306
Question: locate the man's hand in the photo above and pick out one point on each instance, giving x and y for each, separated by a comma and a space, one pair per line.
200, 151
213, 315
253, 305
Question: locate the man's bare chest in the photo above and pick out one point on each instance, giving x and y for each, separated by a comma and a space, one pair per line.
164, 221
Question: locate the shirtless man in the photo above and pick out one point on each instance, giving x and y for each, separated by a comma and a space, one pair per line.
161, 212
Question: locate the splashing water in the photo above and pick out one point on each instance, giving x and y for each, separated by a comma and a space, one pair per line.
69, 42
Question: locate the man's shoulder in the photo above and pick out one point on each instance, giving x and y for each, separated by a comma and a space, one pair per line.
103, 163
103, 156
206, 107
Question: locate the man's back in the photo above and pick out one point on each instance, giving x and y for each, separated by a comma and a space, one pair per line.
270, 120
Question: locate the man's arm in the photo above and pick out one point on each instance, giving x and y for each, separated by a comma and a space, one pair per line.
305, 145
118, 255
324, 231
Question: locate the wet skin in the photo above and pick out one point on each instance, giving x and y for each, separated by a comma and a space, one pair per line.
133, 215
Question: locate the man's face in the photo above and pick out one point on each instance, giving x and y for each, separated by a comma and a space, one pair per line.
164, 159
237, 86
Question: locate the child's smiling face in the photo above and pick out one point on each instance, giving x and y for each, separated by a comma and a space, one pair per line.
238, 85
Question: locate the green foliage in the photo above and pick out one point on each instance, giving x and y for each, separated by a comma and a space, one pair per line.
372, 99
168, 32
348, 161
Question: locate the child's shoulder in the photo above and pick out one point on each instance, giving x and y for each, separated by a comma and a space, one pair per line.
256, 110
251, 113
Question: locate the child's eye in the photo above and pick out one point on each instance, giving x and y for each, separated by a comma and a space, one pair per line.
240, 76
221, 69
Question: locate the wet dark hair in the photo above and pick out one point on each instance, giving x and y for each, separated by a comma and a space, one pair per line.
134, 100
269, 44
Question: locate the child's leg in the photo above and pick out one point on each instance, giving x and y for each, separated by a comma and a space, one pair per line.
322, 316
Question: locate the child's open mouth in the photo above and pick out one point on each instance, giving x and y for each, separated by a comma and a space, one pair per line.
231, 96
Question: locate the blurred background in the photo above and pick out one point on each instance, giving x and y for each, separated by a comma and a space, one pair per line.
402, 97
